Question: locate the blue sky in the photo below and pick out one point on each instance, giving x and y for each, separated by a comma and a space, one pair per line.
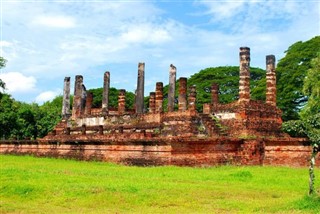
44, 41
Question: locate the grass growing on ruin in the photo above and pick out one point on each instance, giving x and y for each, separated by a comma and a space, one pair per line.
44, 185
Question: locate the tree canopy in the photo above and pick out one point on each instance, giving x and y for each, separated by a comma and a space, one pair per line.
113, 98
227, 77
291, 72
2, 64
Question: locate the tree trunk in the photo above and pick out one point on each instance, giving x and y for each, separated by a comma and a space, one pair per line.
315, 150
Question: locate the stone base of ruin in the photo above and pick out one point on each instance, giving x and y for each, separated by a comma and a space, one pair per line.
236, 134
291, 152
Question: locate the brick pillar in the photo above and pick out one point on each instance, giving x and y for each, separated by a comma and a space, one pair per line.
182, 99
89, 103
140, 89
172, 87
159, 97
214, 93
105, 95
192, 98
244, 83
152, 102
76, 107
122, 101
271, 95
66, 99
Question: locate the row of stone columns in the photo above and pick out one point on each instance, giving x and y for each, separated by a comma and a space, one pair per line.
83, 101
156, 98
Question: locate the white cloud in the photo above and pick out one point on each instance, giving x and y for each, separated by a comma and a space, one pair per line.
146, 33
99, 35
5, 44
46, 96
55, 21
18, 82
225, 9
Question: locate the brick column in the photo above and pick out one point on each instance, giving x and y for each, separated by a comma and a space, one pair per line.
105, 95
152, 102
271, 95
182, 99
172, 87
159, 97
76, 107
214, 93
89, 103
140, 89
122, 101
66, 99
192, 98
244, 83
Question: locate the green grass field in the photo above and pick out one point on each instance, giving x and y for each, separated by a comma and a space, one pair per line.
45, 185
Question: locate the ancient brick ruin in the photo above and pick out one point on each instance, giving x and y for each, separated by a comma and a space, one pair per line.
244, 132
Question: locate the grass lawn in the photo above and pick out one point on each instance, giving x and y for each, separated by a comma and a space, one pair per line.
45, 185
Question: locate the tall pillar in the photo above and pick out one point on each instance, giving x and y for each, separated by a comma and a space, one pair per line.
192, 98
66, 98
140, 89
122, 101
105, 95
83, 99
152, 102
271, 95
182, 99
76, 107
244, 83
172, 87
89, 103
159, 97
214, 93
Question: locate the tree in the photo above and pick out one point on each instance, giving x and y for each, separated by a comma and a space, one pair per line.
291, 72
228, 79
311, 88
311, 111
309, 123
2, 64
8, 116
48, 115
113, 98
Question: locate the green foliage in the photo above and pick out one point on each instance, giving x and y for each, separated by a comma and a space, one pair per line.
306, 127
8, 116
228, 79
48, 115
113, 98
291, 72
2, 64
26, 121
21, 120
311, 88
28, 183
295, 128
